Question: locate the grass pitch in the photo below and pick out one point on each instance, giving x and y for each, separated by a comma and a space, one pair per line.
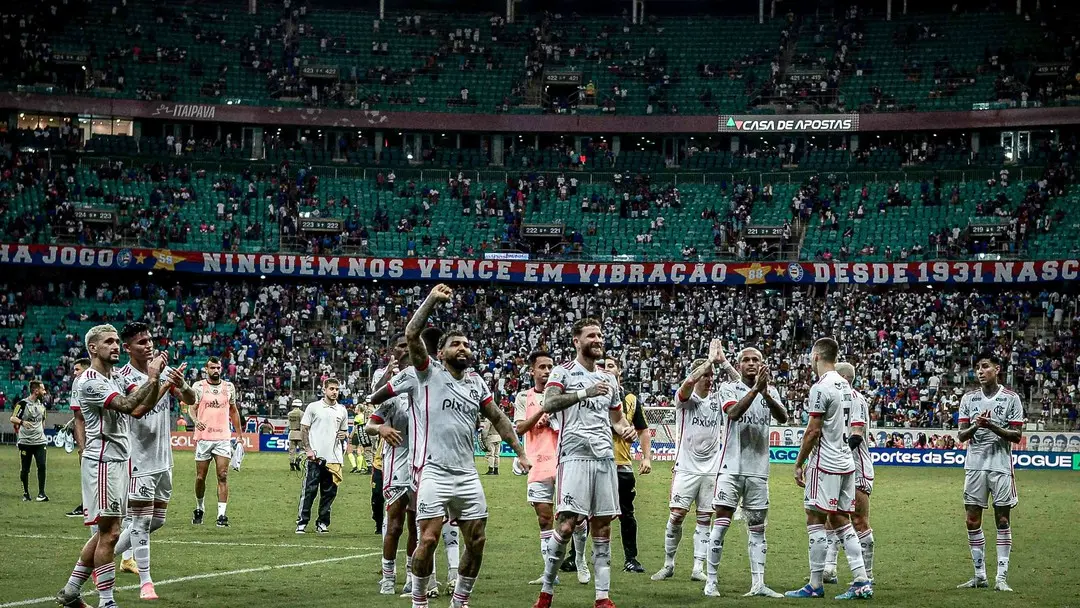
917, 517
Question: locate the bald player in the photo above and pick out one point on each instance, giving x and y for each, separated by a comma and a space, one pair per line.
749, 405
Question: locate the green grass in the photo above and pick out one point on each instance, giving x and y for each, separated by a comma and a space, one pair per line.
917, 518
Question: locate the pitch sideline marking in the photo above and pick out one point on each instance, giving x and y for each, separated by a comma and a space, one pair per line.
195, 577
195, 542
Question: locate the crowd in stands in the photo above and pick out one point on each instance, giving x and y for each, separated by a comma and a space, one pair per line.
913, 349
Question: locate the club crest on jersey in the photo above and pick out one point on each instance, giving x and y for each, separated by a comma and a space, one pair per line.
474, 395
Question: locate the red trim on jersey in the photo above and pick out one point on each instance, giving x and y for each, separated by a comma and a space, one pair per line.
1016, 423
375, 418
486, 400
963, 420
427, 362
108, 400
390, 387
427, 425
552, 383
131, 387
816, 414
858, 424
726, 405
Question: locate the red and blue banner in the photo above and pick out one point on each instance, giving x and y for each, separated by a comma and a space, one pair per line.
527, 272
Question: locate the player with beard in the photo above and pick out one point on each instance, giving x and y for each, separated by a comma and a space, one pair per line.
587, 402
541, 440
442, 453
402, 387
151, 456
213, 409
107, 411
748, 406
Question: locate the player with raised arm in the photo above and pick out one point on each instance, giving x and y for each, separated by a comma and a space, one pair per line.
391, 422
107, 411
991, 419
212, 411
829, 478
588, 406
747, 405
541, 441
403, 388
864, 483
151, 455
442, 454
697, 460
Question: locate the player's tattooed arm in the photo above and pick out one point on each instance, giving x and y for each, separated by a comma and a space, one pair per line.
139, 402
722, 364
418, 353
556, 400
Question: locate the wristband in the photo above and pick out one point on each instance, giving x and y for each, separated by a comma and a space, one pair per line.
582, 395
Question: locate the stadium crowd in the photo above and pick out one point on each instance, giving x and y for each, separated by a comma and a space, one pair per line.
912, 349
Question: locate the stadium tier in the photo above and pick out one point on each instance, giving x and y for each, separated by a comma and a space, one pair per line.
481, 63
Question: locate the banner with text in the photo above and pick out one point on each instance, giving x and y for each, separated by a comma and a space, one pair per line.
904, 457
540, 273
185, 441
805, 123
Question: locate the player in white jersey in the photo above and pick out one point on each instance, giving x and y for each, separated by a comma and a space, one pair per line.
391, 422
106, 409
451, 399
748, 405
829, 480
864, 483
399, 387
697, 453
991, 419
79, 429
151, 458
589, 406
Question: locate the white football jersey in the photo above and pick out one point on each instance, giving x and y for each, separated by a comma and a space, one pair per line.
106, 430
697, 445
831, 398
585, 427
860, 417
397, 468
444, 418
986, 451
745, 441
151, 447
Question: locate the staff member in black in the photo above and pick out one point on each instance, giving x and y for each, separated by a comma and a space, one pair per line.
29, 421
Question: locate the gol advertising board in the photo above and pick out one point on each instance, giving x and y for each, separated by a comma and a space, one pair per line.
185, 441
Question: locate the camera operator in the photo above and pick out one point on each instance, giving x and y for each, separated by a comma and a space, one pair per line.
322, 434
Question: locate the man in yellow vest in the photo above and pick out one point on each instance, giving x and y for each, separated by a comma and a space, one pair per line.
625, 466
